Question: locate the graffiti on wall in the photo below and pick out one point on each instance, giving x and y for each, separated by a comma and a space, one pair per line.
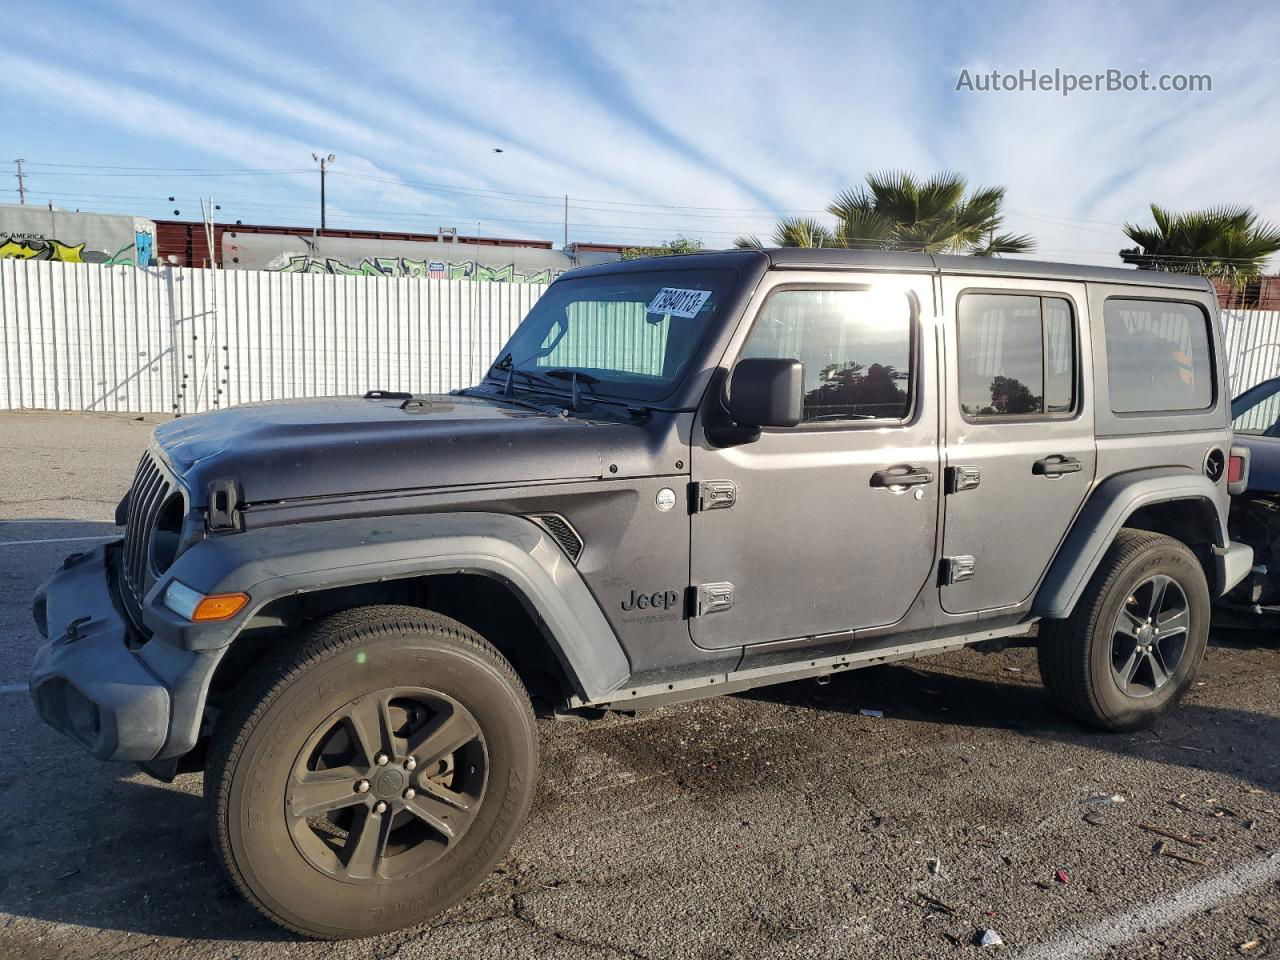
30, 246
20, 246
409, 267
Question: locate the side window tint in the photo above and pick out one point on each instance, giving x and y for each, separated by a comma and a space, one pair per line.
1017, 355
1158, 356
855, 346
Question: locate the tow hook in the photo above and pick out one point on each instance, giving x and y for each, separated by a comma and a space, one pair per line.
73, 628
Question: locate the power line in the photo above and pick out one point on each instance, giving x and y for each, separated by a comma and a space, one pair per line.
546, 199
99, 166
180, 174
401, 214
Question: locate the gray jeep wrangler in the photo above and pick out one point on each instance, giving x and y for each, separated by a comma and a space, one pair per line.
682, 477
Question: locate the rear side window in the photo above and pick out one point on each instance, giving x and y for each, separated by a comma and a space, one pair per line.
855, 345
1017, 356
1158, 356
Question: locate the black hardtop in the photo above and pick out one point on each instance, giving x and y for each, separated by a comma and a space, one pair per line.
836, 258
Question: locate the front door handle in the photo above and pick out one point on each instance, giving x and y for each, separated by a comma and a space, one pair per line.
1055, 466
901, 476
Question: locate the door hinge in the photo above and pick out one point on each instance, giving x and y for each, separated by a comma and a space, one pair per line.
958, 569
712, 598
964, 477
713, 494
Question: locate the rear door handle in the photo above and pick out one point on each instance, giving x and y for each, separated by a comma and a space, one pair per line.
901, 476
1055, 466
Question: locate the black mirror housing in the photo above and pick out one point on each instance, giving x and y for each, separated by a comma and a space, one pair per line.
767, 392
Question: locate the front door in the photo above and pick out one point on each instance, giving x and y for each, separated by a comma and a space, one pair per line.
830, 525
1020, 451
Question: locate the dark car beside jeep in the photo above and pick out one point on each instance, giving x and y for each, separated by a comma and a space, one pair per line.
681, 477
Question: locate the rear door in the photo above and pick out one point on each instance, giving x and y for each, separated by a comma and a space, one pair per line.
1020, 451
830, 525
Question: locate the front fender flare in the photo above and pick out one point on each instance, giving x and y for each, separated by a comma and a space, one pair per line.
273, 562
1112, 503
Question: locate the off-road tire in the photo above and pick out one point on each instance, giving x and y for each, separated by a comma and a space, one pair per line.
1075, 654
289, 695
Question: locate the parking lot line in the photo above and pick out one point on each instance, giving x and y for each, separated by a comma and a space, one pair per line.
1123, 928
29, 520
24, 543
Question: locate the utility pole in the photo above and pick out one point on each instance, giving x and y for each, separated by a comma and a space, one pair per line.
324, 163
22, 187
566, 221
206, 214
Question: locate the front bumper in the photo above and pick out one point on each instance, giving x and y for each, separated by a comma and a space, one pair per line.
93, 681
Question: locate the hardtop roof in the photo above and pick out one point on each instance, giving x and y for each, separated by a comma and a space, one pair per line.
835, 258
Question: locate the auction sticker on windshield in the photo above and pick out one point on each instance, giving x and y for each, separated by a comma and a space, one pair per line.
679, 303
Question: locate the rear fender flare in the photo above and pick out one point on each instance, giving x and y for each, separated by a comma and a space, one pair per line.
1110, 505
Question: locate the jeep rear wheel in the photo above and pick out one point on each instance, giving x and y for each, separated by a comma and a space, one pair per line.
1131, 647
370, 778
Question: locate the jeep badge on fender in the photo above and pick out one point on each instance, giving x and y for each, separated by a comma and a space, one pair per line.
661, 600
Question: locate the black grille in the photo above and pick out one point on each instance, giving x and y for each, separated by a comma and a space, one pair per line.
151, 487
562, 533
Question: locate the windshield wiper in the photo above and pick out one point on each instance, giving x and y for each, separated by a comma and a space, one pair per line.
507, 365
504, 398
574, 377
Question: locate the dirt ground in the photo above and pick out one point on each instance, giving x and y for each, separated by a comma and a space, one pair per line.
780, 823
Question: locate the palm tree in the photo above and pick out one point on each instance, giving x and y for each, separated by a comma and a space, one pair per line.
898, 211
1224, 243
794, 232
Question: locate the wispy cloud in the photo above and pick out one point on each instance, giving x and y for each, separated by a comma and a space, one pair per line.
643, 112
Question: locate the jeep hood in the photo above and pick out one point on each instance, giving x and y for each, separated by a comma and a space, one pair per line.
337, 446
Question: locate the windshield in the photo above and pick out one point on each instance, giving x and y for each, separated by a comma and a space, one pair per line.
1256, 412
633, 333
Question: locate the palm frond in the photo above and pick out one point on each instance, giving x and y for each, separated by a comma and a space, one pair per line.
1227, 242
802, 232
1005, 243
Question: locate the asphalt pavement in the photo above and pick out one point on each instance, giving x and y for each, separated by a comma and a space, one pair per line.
780, 823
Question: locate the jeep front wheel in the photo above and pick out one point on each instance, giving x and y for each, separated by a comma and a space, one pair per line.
370, 778
1131, 647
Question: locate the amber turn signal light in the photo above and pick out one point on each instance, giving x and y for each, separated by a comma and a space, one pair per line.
219, 606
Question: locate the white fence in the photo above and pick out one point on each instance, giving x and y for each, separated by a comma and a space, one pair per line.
86, 337
182, 340
1252, 340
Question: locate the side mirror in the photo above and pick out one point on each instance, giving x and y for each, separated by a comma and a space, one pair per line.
767, 392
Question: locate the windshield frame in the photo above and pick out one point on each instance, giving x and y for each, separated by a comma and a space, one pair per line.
679, 391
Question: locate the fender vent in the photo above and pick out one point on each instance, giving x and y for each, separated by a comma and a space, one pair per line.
561, 532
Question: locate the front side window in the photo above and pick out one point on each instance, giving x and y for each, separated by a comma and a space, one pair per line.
1017, 355
855, 345
1158, 356
634, 333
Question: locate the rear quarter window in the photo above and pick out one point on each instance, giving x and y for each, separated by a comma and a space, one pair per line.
1159, 356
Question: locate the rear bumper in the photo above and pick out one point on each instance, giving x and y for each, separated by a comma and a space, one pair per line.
1233, 565
92, 681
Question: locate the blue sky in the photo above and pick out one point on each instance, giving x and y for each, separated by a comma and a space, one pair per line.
658, 119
